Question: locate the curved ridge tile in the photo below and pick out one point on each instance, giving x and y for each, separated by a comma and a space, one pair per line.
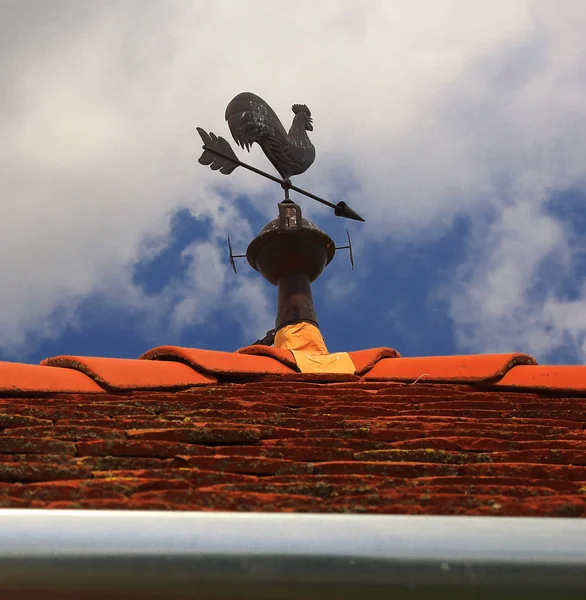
364, 360
453, 369
21, 378
132, 374
219, 363
281, 354
546, 377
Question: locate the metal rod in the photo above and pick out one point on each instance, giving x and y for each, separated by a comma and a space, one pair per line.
310, 195
241, 164
283, 183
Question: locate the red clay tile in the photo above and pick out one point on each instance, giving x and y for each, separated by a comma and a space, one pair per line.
199, 433
321, 487
219, 363
110, 504
545, 377
63, 432
124, 463
10, 489
455, 504
555, 485
55, 457
533, 470
364, 360
69, 490
37, 471
457, 369
354, 447
542, 456
35, 445
520, 432
21, 378
269, 432
12, 502
390, 469
247, 465
300, 421
146, 448
297, 453
372, 481
489, 444
193, 477
328, 443
487, 490
129, 374
113, 487
8, 421
281, 354
241, 501
423, 455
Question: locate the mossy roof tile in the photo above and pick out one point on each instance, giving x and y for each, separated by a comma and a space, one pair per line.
188, 429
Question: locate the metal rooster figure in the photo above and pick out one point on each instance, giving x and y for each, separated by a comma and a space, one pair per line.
251, 120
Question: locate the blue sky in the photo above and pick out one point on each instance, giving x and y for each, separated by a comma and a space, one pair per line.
455, 128
405, 277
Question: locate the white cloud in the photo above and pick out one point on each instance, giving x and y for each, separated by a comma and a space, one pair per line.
490, 296
433, 109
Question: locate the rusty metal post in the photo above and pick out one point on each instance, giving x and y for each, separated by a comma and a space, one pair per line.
294, 300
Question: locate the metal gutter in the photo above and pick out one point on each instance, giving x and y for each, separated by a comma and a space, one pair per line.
119, 554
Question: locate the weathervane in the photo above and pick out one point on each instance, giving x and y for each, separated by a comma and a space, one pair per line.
290, 251
251, 120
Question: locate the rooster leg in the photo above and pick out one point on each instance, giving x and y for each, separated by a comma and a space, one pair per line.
286, 185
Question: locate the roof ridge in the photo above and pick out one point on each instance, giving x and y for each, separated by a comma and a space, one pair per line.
177, 368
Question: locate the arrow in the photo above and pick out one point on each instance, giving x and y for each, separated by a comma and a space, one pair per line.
218, 154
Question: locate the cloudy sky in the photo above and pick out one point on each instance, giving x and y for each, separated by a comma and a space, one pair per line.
456, 128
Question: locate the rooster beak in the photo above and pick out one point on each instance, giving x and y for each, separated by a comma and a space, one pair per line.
309, 125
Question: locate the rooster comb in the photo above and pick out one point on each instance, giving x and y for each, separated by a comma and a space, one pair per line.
298, 108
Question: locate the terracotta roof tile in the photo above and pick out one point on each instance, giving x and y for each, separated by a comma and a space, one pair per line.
191, 429
219, 363
364, 360
16, 444
152, 449
281, 354
286, 445
34, 471
546, 378
21, 378
212, 433
460, 369
173, 368
247, 465
125, 374
232, 501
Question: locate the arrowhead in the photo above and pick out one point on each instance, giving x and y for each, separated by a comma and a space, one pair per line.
343, 210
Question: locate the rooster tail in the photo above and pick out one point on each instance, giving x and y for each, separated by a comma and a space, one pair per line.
212, 145
251, 120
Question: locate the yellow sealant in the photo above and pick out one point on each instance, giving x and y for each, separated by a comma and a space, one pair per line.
306, 343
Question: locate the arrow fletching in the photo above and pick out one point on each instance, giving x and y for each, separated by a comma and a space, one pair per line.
217, 162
